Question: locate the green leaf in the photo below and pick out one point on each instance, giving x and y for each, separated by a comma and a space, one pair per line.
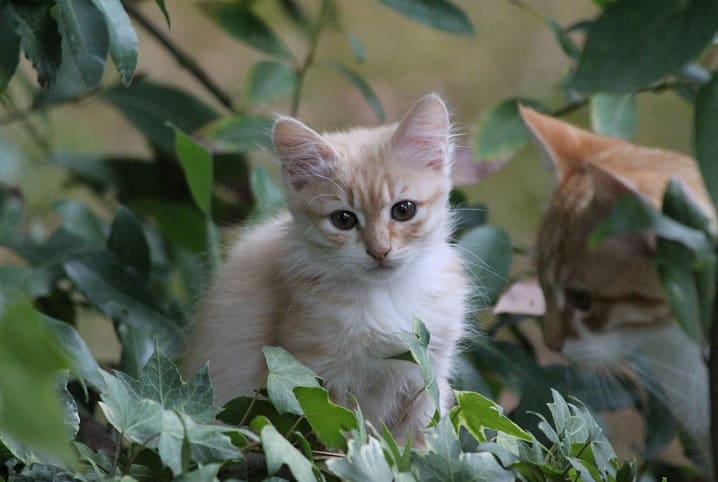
30, 412
614, 115
242, 410
444, 460
706, 142
501, 131
240, 133
183, 224
278, 451
285, 374
567, 45
121, 294
163, 7
243, 24
10, 40
149, 107
127, 241
634, 43
327, 419
123, 38
40, 39
477, 413
198, 169
357, 48
362, 463
438, 14
83, 26
205, 473
487, 253
79, 219
71, 344
418, 346
270, 79
364, 88
268, 196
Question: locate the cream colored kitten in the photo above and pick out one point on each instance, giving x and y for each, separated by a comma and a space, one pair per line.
338, 279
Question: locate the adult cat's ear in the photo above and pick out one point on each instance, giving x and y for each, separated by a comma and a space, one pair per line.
561, 143
423, 138
609, 186
304, 153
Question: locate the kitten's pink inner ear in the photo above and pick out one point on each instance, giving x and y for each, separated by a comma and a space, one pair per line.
422, 139
305, 155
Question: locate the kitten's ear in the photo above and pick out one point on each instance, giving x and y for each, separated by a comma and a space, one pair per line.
422, 139
609, 186
558, 141
304, 153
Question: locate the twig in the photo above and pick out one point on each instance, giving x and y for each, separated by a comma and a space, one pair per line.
713, 386
22, 115
118, 450
39, 139
181, 56
309, 59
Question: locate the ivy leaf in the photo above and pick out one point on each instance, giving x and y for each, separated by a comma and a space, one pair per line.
10, 40
487, 253
327, 419
79, 219
204, 473
501, 131
123, 38
445, 461
244, 25
40, 39
439, 14
278, 451
30, 410
269, 80
152, 107
364, 88
362, 462
418, 346
706, 142
565, 42
127, 241
477, 413
634, 43
614, 115
285, 374
69, 341
121, 294
198, 169
83, 26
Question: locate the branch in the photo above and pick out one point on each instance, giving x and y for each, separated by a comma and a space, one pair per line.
309, 59
181, 56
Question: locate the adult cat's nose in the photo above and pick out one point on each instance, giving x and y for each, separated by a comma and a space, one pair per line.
378, 254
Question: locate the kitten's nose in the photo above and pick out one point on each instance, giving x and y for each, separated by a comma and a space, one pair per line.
378, 255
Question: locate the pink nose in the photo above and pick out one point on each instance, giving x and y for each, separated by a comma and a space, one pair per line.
378, 255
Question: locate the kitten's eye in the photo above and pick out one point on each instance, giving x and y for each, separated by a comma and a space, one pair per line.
344, 219
579, 299
403, 210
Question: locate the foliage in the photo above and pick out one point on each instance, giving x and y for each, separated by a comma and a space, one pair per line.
138, 267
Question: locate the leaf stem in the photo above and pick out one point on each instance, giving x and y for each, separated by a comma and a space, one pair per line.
309, 59
294, 426
118, 450
182, 58
251, 404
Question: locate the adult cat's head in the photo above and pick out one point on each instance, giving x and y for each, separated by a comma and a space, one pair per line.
368, 201
601, 303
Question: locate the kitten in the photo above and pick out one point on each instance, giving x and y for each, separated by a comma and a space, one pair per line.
339, 278
605, 306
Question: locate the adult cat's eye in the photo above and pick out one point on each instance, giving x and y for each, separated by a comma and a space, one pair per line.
403, 210
579, 299
344, 219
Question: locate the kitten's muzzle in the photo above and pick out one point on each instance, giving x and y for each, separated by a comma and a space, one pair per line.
378, 254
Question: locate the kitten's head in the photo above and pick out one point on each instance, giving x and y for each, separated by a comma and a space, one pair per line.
368, 201
610, 292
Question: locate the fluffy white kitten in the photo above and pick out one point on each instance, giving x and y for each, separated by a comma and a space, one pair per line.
338, 279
